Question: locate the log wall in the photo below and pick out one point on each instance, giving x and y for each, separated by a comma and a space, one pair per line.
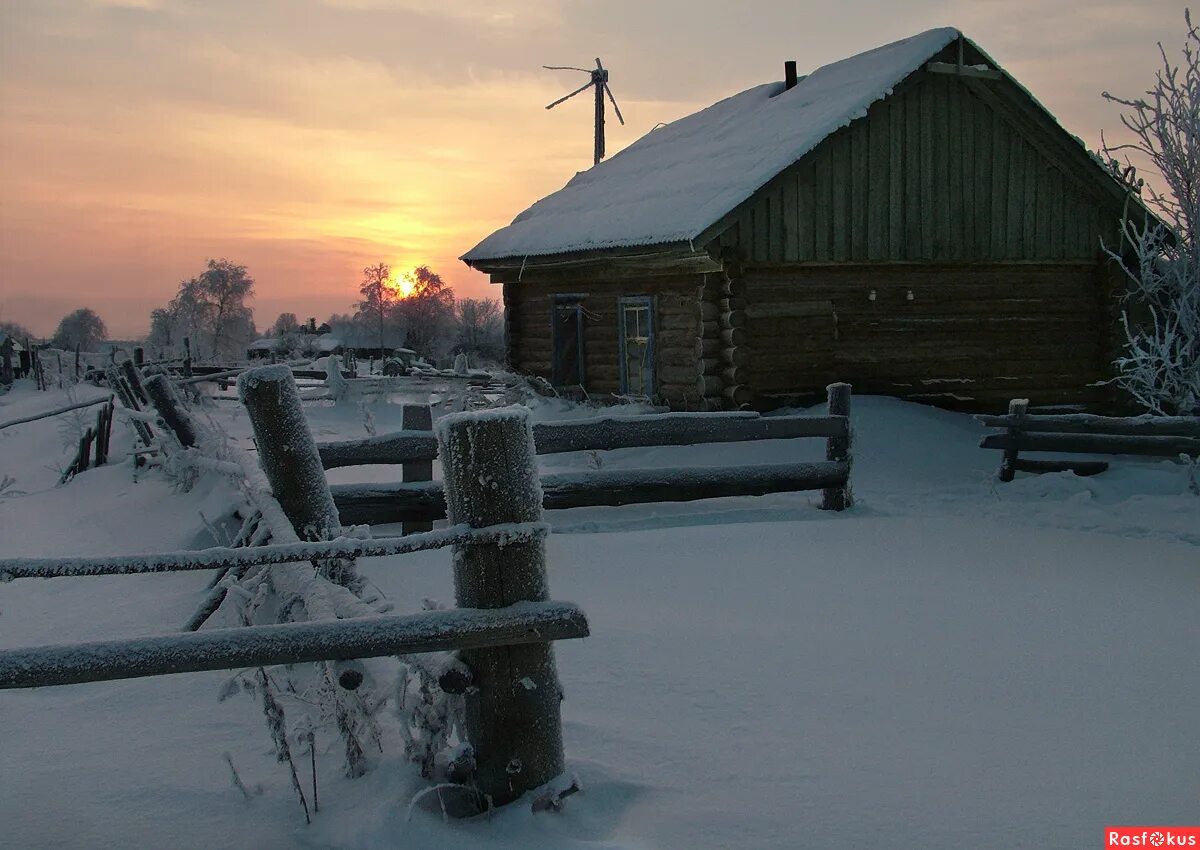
971, 336
677, 327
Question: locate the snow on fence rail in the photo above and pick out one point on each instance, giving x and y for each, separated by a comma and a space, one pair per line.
501, 629
1154, 436
384, 503
290, 643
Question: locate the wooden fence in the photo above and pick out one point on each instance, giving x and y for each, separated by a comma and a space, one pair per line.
406, 502
502, 628
1153, 436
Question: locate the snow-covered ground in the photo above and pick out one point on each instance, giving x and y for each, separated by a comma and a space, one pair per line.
953, 663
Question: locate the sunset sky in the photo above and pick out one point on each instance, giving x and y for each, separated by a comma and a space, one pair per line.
308, 139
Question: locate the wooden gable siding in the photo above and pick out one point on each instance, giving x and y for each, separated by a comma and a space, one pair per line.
942, 171
971, 336
676, 311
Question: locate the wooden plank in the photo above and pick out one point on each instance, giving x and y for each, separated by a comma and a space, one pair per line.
806, 181
969, 213
791, 224
910, 103
841, 196
1079, 467
823, 204
954, 171
1084, 423
678, 429
1001, 168
1155, 446
859, 141
290, 643
1029, 215
982, 202
926, 208
895, 170
877, 193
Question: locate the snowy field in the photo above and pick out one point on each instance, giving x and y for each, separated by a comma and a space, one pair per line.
953, 663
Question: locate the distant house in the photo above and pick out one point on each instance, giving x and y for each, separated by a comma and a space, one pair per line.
315, 344
909, 219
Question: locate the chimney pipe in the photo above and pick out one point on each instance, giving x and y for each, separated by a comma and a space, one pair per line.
789, 74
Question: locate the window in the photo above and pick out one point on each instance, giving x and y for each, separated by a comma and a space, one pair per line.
636, 326
567, 337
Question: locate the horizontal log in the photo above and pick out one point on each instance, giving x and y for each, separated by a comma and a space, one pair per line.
679, 374
739, 394
709, 385
686, 484
682, 337
728, 305
736, 356
734, 319
791, 310
734, 287
709, 312
1079, 467
735, 375
734, 336
291, 643
707, 346
678, 429
1083, 423
711, 365
1155, 446
396, 447
712, 328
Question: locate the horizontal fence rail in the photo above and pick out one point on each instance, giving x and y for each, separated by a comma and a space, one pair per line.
291, 643
604, 432
1085, 423
1154, 446
383, 503
221, 557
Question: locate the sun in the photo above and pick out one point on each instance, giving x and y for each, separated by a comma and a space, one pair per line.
402, 286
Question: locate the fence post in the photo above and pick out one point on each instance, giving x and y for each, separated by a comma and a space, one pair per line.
287, 452
417, 417
139, 356
513, 719
1017, 408
166, 403
187, 359
838, 448
133, 377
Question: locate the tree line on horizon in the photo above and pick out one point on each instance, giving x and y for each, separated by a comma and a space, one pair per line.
212, 310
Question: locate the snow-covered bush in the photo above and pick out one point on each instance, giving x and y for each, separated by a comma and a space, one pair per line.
1160, 366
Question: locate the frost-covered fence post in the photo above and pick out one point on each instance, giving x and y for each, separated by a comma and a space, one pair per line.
187, 358
417, 417
166, 403
1017, 408
838, 448
513, 720
133, 377
287, 452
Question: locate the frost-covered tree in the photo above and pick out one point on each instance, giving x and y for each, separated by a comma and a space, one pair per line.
379, 299
16, 330
287, 323
427, 312
479, 328
1160, 367
211, 310
83, 327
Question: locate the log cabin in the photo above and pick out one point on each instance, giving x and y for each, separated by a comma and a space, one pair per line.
910, 220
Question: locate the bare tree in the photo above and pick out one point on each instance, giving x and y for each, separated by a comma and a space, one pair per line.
83, 327
1160, 367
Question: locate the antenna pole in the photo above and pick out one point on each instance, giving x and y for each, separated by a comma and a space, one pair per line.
599, 87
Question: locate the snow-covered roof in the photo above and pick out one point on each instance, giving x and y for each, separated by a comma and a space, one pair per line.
265, 344
678, 180
325, 342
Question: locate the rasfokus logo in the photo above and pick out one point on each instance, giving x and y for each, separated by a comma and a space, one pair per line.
1152, 836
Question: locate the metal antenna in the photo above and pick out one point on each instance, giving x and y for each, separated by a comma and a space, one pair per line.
599, 80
